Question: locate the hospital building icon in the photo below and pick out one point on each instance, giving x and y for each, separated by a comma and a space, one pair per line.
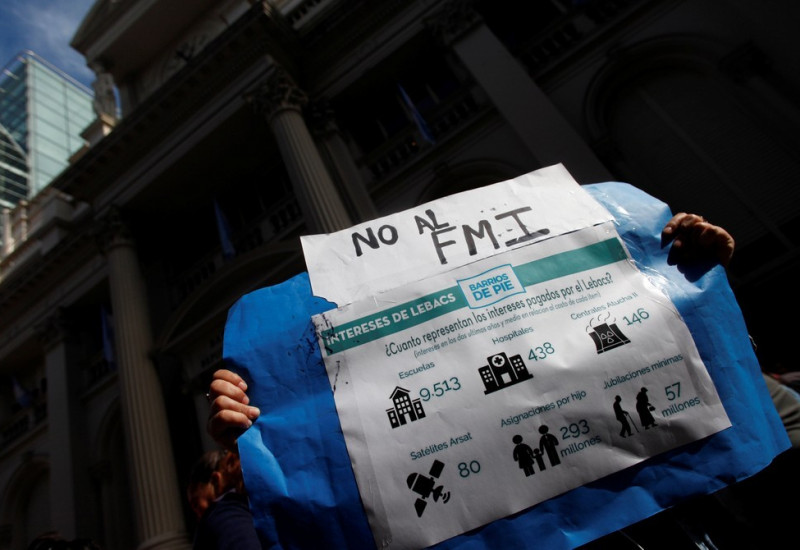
503, 371
405, 409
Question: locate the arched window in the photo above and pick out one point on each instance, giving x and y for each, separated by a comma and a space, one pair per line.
25, 503
711, 130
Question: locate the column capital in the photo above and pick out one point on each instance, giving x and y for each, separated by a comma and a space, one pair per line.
54, 329
278, 92
112, 229
455, 19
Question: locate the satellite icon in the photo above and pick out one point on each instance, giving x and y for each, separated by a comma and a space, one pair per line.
425, 486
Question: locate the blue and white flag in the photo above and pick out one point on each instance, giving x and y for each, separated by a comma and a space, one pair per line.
422, 126
107, 327
224, 230
21, 395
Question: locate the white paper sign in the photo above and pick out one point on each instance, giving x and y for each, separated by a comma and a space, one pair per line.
498, 348
432, 238
477, 393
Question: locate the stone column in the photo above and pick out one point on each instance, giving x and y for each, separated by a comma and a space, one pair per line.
338, 157
69, 471
526, 108
280, 101
5, 220
156, 493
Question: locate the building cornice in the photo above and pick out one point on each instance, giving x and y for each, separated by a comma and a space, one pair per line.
252, 37
123, 36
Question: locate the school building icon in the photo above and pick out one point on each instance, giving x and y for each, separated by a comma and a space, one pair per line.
405, 409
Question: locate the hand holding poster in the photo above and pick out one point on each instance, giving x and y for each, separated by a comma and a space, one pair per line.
299, 475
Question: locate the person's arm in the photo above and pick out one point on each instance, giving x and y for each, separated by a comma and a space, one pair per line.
231, 412
788, 378
696, 240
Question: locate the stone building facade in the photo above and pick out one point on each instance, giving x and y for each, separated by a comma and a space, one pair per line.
287, 117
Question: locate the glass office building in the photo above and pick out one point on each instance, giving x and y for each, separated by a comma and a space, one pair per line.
42, 114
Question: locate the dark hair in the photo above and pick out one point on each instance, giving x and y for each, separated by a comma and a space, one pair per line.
226, 464
206, 465
231, 469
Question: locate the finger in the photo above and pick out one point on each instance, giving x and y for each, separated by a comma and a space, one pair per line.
725, 247
690, 223
682, 230
222, 404
228, 419
230, 376
223, 387
680, 225
717, 240
672, 224
676, 253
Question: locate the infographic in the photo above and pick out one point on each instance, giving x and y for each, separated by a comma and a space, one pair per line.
480, 390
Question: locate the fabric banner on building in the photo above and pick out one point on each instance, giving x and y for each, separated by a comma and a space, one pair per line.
299, 473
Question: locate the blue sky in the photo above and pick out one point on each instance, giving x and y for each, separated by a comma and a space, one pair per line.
46, 27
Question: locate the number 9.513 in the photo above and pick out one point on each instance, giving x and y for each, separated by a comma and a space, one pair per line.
440, 388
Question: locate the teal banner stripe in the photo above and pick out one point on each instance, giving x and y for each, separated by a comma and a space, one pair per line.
395, 319
560, 265
421, 310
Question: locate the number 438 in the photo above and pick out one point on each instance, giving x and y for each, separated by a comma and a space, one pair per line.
541, 352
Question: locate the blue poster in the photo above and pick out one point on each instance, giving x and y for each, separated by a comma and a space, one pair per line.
298, 472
